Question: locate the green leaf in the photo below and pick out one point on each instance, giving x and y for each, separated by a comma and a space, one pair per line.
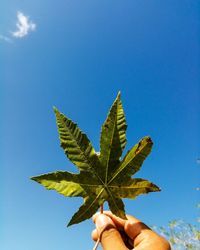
133, 159
76, 145
113, 138
102, 178
116, 206
90, 206
63, 182
133, 188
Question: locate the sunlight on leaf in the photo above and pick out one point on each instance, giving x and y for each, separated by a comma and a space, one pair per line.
103, 175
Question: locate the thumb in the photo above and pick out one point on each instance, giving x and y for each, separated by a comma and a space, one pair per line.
108, 234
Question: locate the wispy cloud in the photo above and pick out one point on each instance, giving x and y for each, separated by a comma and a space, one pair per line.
5, 39
24, 26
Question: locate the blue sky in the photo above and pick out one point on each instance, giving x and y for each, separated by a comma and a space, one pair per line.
76, 55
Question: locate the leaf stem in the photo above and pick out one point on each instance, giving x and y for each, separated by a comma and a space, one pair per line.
101, 209
96, 244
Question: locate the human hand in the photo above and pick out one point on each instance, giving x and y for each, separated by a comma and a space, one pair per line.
118, 234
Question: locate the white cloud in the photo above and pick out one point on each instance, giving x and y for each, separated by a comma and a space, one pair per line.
5, 39
24, 25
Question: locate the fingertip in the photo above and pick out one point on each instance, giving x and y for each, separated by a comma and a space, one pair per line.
94, 235
102, 221
134, 227
95, 216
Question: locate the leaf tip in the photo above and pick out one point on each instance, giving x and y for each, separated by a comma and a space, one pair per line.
34, 178
148, 139
55, 109
119, 94
70, 223
155, 188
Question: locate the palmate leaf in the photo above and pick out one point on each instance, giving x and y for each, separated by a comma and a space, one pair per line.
102, 177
